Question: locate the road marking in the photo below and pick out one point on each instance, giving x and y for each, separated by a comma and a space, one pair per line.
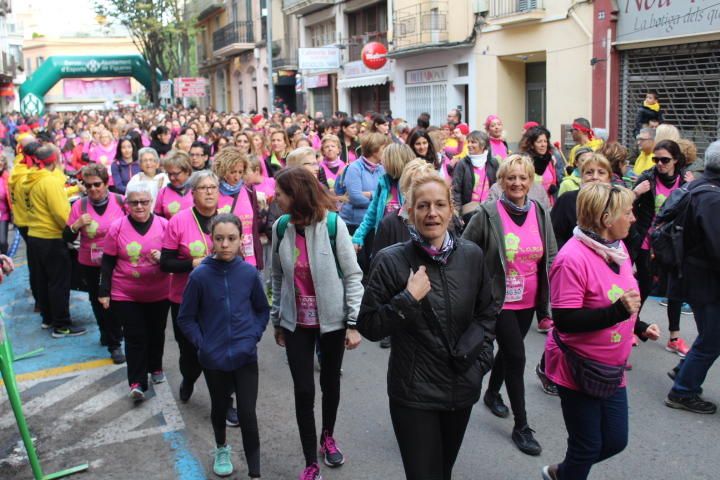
58, 371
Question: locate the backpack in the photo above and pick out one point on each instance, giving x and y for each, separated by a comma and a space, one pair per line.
332, 232
668, 236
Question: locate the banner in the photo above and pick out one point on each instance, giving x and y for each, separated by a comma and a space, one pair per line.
111, 88
190, 87
319, 58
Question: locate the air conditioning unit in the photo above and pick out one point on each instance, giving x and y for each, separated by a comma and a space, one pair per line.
481, 7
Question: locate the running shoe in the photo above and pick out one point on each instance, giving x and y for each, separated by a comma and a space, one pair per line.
332, 455
157, 376
311, 473
547, 385
663, 302
117, 356
231, 418
549, 472
677, 345
385, 342
693, 404
222, 466
69, 331
45, 326
545, 325
686, 309
136, 392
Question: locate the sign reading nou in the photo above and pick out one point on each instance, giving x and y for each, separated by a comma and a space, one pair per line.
643, 20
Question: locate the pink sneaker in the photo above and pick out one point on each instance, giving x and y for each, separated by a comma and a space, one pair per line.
332, 455
545, 325
311, 473
677, 345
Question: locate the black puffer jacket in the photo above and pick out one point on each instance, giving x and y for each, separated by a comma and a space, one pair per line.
419, 372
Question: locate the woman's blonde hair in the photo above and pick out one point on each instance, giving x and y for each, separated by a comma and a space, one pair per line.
516, 160
601, 204
226, 159
371, 143
420, 181
395, 157
414, 168
296, 156
329, 138
597, 159
688, 148
179, 159
666, 131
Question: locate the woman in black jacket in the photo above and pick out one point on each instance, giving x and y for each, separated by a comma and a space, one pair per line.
473, 176
432, 295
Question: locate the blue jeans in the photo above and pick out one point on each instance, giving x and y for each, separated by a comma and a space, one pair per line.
597, 430
705, 350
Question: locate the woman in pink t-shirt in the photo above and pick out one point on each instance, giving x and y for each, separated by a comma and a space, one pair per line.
498, 146
331, 164
516, 235
175, 196
473, 176
91, 218
595, 303
135, 289
5, 205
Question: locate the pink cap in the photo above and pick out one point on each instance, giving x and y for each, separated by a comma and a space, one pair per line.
530, 125
490, 119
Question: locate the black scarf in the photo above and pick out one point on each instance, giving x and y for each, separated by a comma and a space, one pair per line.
541, 162
665, 179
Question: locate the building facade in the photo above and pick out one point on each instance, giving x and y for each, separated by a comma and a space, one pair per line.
11, 59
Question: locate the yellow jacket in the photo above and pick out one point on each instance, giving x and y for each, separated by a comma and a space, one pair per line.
18, 190
596, 144
644, 162
47, 203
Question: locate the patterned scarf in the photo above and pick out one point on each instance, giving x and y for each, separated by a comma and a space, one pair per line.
440, 256
609, 251
369, 165
230, 190
512, 208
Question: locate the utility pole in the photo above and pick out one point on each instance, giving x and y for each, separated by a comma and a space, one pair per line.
271, 87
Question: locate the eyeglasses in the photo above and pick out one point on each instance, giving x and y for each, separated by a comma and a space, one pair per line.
174, 174
663, 160
93, 185
207, 188
138, 203
613, 189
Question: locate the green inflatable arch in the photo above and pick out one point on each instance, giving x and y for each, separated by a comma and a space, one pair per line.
56, 68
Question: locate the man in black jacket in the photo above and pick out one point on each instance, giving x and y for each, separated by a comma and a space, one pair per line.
700, 285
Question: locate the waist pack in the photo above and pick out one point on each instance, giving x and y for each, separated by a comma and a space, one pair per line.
595, 379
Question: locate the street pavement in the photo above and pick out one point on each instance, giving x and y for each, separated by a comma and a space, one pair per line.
76, 404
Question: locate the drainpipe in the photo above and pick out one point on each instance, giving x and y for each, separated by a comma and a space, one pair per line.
271, 87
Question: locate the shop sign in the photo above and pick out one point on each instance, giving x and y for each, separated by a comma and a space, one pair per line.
643, 20
426, 75
374, 55
191, 87
317, 81
319, 58
7, 90
358, 69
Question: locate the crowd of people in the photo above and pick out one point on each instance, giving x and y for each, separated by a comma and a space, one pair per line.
438, 241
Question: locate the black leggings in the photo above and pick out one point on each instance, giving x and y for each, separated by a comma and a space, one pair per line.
32, 269
4, 224
144, 327
509, 365
244, 383
109, 326
429, 440
190, 368
645, 282
300, 347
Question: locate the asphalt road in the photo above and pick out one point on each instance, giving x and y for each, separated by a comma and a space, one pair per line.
85, 416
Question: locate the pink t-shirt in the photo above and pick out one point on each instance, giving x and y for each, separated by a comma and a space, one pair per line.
169, 202
4, 205
184, 235
580, 278
481, 186
305, 299
393, 200
267, 186
662, 193
92, 236
243, 210
547, 179
331, 177
523, 253
104, 156
136, 277
498, 148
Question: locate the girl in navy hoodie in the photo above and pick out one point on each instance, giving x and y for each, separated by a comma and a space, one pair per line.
224, 313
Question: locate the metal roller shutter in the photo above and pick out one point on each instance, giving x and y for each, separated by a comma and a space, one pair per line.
687, 78
427, 98
322, 98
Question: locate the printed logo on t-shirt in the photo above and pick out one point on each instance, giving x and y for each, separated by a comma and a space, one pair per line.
615, 337
225, 209
133, 250
512, 244
91, 229
173, 207
197, 249
659, 201
615, 293
296, 254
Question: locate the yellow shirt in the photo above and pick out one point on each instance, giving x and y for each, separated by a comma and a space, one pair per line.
47, 203
596, 144
17, 192
644, 162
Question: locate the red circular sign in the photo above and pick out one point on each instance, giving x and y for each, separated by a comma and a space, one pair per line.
374, 55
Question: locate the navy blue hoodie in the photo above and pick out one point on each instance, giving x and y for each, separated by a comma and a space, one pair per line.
224, 313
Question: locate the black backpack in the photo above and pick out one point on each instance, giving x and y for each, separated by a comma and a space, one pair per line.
668, 234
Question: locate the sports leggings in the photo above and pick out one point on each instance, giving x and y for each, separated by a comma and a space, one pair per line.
645, 281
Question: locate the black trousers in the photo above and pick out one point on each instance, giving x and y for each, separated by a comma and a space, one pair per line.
645, 282
30, 262
509, 365
189, 365
144, 327
52, 279
429, 440
300, 347
244, 383
4, 224
110, 327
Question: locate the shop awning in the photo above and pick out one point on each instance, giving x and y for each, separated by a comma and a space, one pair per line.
367, 81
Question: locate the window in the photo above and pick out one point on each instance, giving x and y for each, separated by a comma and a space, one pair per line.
28, 66
427, 98
322, 34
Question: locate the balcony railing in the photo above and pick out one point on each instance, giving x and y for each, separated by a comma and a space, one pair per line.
287, 57
203, 8
425, 23
357, 42
504, 8
236, 33
303, 7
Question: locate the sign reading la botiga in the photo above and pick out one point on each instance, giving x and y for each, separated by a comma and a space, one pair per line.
644, 20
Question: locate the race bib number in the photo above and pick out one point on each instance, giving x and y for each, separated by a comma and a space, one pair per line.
514, 288
307, 314
248, 249
96, 254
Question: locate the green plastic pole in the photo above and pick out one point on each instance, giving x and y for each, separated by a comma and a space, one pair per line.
8, 375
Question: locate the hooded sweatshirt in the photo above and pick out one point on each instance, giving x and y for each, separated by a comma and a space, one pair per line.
47, 204
224, 313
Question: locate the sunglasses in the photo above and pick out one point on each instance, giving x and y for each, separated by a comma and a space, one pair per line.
663, 160
138, 203
613, 189
93, 185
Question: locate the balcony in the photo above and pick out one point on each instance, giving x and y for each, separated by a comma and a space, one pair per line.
357, 42
304, 7
508, 12
285, 54
422, 24
233, 38
202, 9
